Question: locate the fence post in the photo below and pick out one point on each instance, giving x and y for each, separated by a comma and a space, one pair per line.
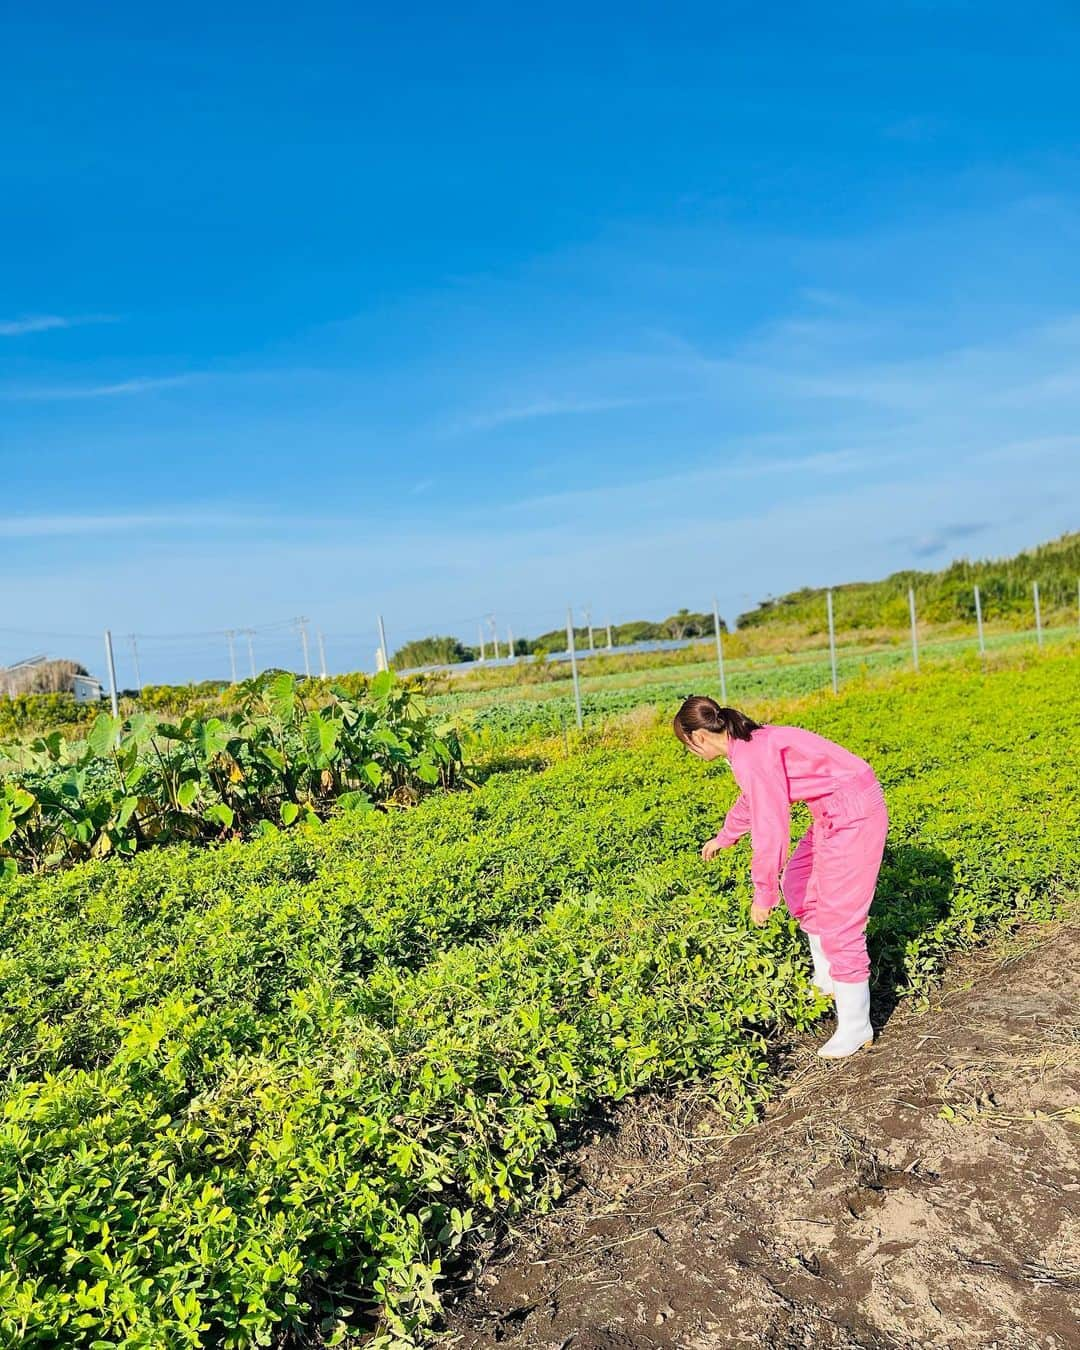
573, 663
914, 628
719, 648
978, 622
832, 640
112, 674
382, 645
1038, 613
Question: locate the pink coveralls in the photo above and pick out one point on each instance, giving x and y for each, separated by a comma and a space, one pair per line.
829, 880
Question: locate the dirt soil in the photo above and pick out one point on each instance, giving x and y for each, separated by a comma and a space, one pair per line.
924, 1193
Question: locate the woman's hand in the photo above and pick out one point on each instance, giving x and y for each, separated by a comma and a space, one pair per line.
711, 849
759, 915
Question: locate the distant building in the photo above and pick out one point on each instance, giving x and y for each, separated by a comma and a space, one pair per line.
42, 675
86, 689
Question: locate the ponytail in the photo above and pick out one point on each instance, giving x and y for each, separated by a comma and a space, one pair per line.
699, 713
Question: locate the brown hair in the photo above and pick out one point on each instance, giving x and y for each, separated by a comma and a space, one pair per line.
699, 713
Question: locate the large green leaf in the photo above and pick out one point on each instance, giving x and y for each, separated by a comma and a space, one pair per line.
127, 810
187, 792
273, 757
381, 685
141, 728
103, 733
281, 696
320, 739
355, 801
211, 737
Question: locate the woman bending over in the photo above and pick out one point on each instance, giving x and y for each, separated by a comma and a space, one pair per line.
828, 882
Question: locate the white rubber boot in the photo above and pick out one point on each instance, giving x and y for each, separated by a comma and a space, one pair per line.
822, 980
853, 1029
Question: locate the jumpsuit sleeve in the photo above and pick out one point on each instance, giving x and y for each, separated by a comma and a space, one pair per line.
770, 824
736, 823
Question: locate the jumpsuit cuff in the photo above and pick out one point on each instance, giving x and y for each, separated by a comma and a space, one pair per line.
725, 839
766, 897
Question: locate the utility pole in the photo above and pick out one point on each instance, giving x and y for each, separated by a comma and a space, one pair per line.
135, 662
588, 624
302, 625
609, 635
230, 633
573, 663
382, 645
112, 674
322, 655
483, 649
510, 643
250, 633
719, 648
494, 636
1038, 613
832, 640
978, 622
914, 628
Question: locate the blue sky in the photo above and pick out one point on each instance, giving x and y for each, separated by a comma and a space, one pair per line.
443, 311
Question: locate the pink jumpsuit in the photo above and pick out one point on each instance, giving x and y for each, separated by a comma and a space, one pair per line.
829, 880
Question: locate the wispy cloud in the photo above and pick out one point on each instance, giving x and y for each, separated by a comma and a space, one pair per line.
42, 323
39, 527
548, 407
63, 392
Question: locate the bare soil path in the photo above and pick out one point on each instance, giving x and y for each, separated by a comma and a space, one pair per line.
924, 1193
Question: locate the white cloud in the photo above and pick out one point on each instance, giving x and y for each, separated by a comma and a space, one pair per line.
37, 527
64, 392
42, 323
549, 407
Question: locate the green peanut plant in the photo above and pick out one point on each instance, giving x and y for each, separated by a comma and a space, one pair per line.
264, 1094
272, 762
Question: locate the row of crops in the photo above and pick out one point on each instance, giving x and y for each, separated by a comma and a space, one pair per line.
278, 1083
518, 712
278, 760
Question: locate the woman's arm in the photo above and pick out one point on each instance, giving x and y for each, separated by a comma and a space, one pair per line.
770, 820
736, 822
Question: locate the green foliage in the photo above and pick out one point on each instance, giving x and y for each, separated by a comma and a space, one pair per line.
266, 1088
177, 699
36, 712
431, 651
682, 624
942, 597
275, 760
